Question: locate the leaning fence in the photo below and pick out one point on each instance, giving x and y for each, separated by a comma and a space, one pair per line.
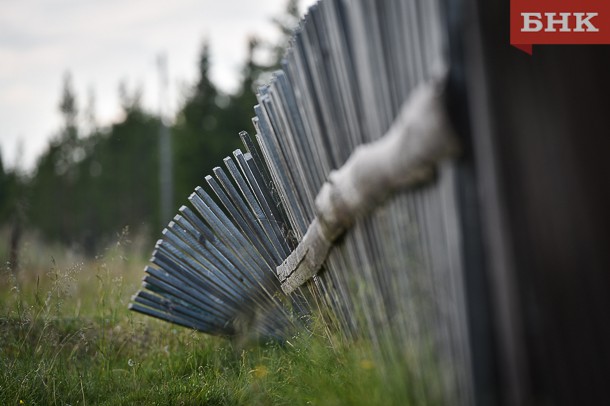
360, 195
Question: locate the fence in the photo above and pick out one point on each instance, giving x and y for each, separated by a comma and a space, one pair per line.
435, 274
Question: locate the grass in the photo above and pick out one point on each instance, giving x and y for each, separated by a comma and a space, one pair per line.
66, 337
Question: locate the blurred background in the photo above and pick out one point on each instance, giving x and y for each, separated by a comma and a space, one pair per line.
106, 106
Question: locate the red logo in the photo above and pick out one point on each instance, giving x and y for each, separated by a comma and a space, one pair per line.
559, 22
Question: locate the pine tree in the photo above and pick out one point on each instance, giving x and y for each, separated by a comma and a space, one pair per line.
286, 24
54, 199
203, 134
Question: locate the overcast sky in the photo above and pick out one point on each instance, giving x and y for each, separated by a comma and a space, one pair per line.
102, 42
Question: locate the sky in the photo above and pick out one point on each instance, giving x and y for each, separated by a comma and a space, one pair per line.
104, 42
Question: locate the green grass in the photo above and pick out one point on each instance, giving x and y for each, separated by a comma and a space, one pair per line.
66, 337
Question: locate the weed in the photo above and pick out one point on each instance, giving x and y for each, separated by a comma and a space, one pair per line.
67, 338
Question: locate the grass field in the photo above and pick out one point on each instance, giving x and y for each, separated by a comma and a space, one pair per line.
66, 337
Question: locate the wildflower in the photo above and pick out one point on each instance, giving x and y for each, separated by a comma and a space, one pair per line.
21, 402
260, 371
131, 362
367, 364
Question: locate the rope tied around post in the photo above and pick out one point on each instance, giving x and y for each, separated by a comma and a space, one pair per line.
420, 137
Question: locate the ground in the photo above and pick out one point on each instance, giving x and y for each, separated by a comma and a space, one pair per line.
67, 338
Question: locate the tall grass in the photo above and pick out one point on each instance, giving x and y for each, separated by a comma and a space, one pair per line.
66, 337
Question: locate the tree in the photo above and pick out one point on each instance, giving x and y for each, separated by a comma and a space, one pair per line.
286, 24
11, 210
90, 119
203, 134
238, 114
54, 199
87, 189
122, 187
68, 107
6, 192
92, 182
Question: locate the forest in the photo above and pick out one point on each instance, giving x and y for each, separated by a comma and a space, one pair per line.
92, 182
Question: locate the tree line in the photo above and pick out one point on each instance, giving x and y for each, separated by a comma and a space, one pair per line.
91, 182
